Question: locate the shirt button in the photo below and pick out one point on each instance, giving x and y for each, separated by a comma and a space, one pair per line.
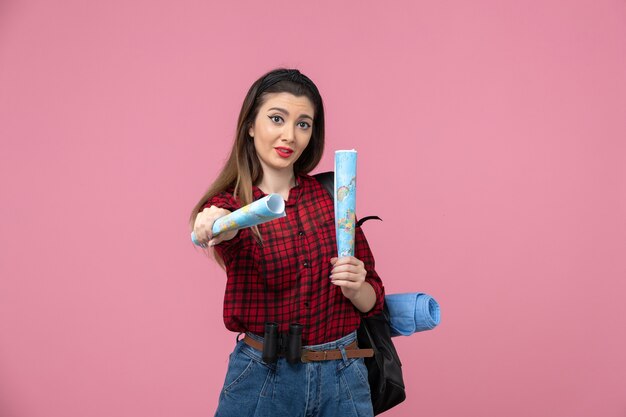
306, 304
306, 264
300, 233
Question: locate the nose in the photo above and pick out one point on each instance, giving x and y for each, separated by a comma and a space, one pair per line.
289, 133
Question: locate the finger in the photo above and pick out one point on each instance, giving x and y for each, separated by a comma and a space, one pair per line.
208, 232
346, 268
348, 276
201, 243
348, 260
344, 260
200, 238
216, 240
347, 284
334, 274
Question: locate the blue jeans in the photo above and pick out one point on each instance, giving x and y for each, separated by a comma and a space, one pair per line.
326, 388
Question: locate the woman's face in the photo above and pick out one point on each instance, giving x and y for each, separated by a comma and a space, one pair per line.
282, 130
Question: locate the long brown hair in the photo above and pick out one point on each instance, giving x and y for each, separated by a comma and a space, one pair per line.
243, 169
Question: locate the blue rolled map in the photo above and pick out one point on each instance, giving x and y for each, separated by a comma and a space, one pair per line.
412, 312
345, 201
263, 210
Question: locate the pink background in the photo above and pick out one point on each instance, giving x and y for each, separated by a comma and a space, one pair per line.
491, 138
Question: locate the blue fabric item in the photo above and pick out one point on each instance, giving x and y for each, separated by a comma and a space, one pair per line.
254, 388
412, 312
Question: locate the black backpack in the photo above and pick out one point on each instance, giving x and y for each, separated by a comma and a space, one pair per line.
384, 368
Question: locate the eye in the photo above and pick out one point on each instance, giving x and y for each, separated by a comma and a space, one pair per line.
276, 119
304, 125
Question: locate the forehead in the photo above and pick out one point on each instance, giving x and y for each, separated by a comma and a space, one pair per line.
289, 102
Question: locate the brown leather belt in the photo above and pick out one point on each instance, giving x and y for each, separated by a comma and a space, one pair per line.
352, 351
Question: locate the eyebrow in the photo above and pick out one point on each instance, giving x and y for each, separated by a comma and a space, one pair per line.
303, 115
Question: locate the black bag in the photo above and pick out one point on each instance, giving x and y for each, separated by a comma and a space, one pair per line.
384, 369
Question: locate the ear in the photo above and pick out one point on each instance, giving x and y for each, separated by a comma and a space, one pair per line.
251, 131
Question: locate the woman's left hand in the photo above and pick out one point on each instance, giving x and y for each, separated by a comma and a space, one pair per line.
348, 273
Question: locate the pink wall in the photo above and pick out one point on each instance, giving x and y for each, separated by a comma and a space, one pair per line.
492, 143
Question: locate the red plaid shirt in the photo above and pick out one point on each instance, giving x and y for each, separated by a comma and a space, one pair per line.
286, 279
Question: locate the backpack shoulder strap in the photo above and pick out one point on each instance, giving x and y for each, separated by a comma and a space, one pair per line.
327, 179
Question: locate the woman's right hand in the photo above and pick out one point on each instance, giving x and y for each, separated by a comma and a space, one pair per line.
204, 223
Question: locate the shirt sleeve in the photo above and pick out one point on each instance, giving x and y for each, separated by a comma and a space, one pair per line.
227, 249
363, 253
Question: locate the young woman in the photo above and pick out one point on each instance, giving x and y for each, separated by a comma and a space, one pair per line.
286, 271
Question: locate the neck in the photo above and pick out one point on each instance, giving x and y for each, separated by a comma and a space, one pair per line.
279, 182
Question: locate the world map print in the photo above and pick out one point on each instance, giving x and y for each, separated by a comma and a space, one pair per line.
344, 191
348, 221
251, 215
345, 201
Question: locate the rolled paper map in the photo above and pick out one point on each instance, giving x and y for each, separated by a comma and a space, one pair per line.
412, 312
263, 210
345, 201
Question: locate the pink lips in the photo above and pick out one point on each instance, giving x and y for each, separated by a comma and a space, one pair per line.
283, 152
